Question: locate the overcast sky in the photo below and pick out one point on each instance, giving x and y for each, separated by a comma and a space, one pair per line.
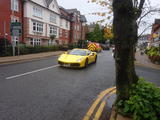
85, 8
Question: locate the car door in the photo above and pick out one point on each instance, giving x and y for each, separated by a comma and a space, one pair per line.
90, 56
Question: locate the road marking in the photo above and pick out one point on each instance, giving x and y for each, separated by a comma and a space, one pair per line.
101, 108
31, 72
94, 105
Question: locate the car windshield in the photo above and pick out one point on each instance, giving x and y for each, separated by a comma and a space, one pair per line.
78, 52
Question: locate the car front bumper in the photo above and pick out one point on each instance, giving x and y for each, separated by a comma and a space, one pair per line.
72, 65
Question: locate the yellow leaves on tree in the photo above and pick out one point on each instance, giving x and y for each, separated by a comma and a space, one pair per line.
104, 3
108, 34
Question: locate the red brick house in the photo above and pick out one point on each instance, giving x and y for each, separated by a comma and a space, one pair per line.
64, 31
84, 27
11, 11
155, 35
76, 25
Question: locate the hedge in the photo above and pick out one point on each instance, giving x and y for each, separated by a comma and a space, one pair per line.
36, 49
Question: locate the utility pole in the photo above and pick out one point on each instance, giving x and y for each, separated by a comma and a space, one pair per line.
13, 42
5, 44
18, 47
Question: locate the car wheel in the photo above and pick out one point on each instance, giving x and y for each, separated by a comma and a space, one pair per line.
95, 59
86, 63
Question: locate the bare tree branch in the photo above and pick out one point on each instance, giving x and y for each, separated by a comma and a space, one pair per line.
144, 31
150, 11
141, 4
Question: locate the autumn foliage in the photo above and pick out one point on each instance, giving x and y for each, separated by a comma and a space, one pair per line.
108, 33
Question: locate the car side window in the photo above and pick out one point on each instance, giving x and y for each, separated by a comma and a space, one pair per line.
88, 52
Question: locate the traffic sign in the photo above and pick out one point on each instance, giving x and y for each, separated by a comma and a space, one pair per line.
16, 28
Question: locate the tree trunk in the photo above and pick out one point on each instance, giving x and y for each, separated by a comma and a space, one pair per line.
125, 37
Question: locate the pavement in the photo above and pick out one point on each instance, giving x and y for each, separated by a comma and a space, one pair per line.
143, 60
21, 58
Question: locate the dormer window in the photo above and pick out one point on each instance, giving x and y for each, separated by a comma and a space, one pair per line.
37, 11
53, 18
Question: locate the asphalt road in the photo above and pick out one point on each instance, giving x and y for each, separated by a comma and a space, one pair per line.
41, 90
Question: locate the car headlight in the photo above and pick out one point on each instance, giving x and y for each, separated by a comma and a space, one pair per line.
79, 60
60, 57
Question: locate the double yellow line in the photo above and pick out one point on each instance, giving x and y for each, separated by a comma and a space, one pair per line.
108, 92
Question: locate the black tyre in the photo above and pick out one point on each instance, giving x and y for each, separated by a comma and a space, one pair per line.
86, 63
95, 59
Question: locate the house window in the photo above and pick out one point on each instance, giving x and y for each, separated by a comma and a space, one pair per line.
35, 41
60, 33
66, 24
37, 11
37, 26
60, 22
66, 34
78, 27
14, 5
53, 18
53, 30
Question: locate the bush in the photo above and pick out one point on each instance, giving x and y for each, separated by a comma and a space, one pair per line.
154, 54
144, 103
38, 49
153, 51
4, 47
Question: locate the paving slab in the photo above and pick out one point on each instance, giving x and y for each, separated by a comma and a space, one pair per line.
143, 60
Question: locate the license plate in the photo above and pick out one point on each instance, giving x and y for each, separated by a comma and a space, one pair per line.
66, 65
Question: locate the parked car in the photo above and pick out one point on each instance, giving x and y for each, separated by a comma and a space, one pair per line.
105, 47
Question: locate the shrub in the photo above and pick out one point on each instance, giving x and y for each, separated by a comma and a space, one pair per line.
144, 103
154, 54
72, 45
38, 49
4, 47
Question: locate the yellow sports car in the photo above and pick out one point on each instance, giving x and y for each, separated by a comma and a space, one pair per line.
77, 58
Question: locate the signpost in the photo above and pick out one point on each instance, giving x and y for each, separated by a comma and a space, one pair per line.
16, 30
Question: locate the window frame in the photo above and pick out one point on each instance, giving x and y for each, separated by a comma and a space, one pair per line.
37, 11
37, 26
15, 5
53, 18
53, 30
67, 24
35, 41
